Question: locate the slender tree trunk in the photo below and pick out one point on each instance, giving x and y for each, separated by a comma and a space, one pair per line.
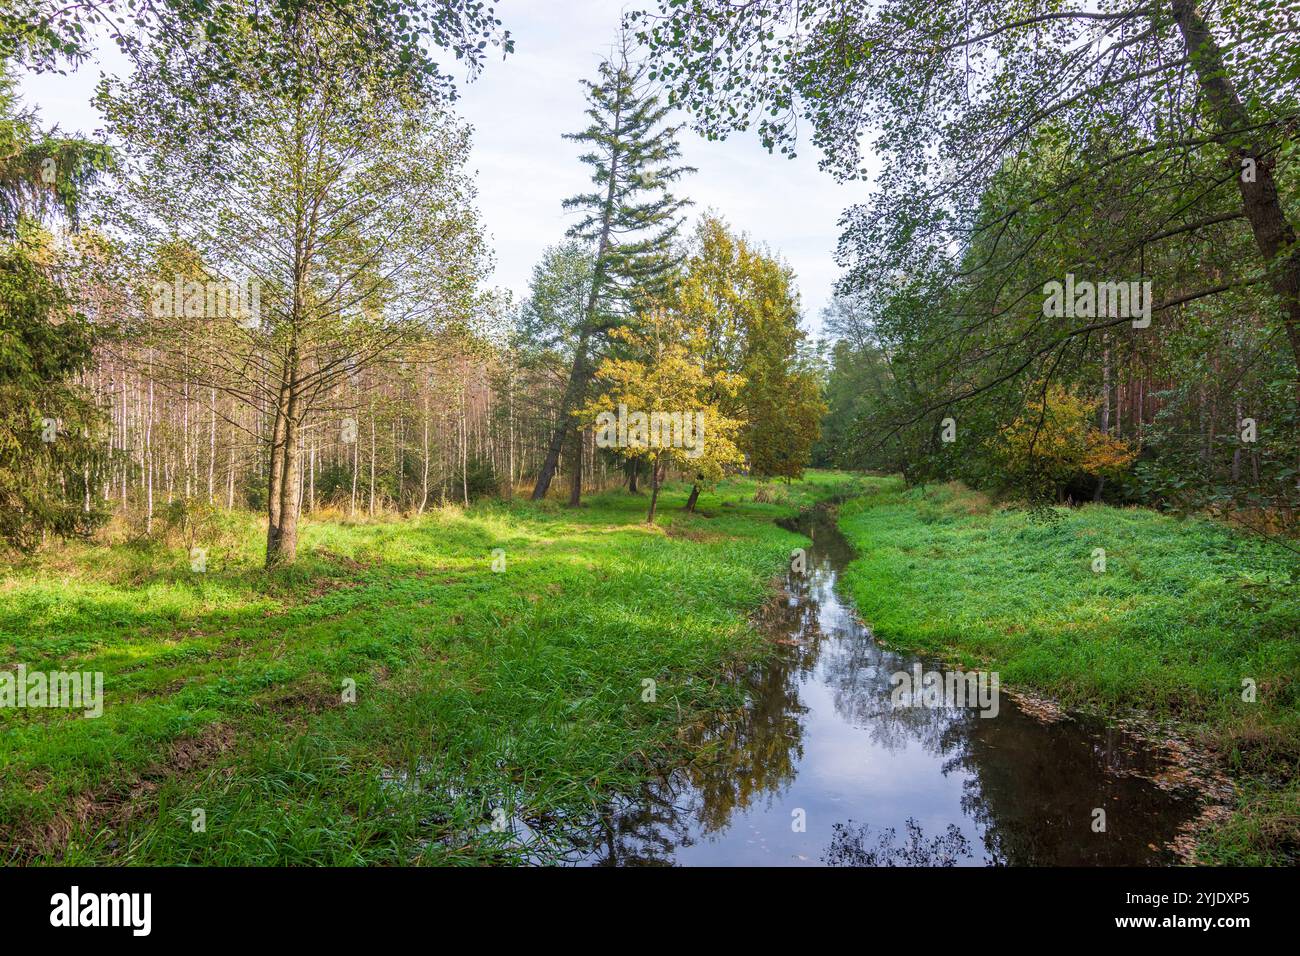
275, 476
276, 465
1105, 405
575, 478
148, 462
424, 473
464, 444
695, 496
1236, 452
372, 463
185, 438
212, 445
397, 465
356, 467
286, 539
230, 468
1105, 384
654, 489
464, 451
573, 391
285, 479
510, 387
300, 487
1213, 430
283, 540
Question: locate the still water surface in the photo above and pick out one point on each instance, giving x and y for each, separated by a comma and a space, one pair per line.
882, 785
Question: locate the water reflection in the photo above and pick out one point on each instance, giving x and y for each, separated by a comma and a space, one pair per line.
818, 768
856, 846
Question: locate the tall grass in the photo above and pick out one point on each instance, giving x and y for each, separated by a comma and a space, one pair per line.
475, 691
1185, 611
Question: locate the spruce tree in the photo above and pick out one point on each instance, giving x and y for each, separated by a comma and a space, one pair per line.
48, 423
630, 219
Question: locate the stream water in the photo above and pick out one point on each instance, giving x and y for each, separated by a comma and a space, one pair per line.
821, 767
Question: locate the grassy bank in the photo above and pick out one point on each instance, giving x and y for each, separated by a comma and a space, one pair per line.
1184, 611
477, 690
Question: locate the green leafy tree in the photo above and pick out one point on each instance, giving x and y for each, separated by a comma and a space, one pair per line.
858, 375
744, 299
1054, 441
48, 424
42, 174
397, 38
552, 317
1116, 141
662, 402
346, 206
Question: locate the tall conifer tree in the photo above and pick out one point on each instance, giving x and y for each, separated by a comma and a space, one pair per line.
630, 218
48, 447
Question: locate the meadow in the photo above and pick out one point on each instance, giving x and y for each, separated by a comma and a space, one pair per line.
410, 682
1190, 623
228, 735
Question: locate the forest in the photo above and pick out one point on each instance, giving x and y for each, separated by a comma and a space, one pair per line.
379, 560
352, 358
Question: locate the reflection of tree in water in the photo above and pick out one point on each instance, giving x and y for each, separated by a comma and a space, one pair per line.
855, 846
746, 755
1030, 789
1033, 790
753, 755
858, 671
640, 832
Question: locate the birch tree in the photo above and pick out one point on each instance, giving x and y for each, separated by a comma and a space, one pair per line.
343, 208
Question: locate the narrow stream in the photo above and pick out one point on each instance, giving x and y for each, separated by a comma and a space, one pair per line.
823, 768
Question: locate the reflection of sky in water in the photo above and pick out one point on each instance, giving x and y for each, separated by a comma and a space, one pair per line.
841, 774
842, 770
883, 785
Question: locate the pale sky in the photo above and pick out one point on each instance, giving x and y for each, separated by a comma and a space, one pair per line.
520, 106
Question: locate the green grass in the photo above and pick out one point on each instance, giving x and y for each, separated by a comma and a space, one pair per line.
475, 690
1183, 613
522, 690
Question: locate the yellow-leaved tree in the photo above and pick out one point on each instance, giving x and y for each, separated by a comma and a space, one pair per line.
744, 297
1054, 441
657, 399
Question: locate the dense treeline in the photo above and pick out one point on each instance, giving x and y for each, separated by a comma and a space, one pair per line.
1076, 277
1058, 148
273, 295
